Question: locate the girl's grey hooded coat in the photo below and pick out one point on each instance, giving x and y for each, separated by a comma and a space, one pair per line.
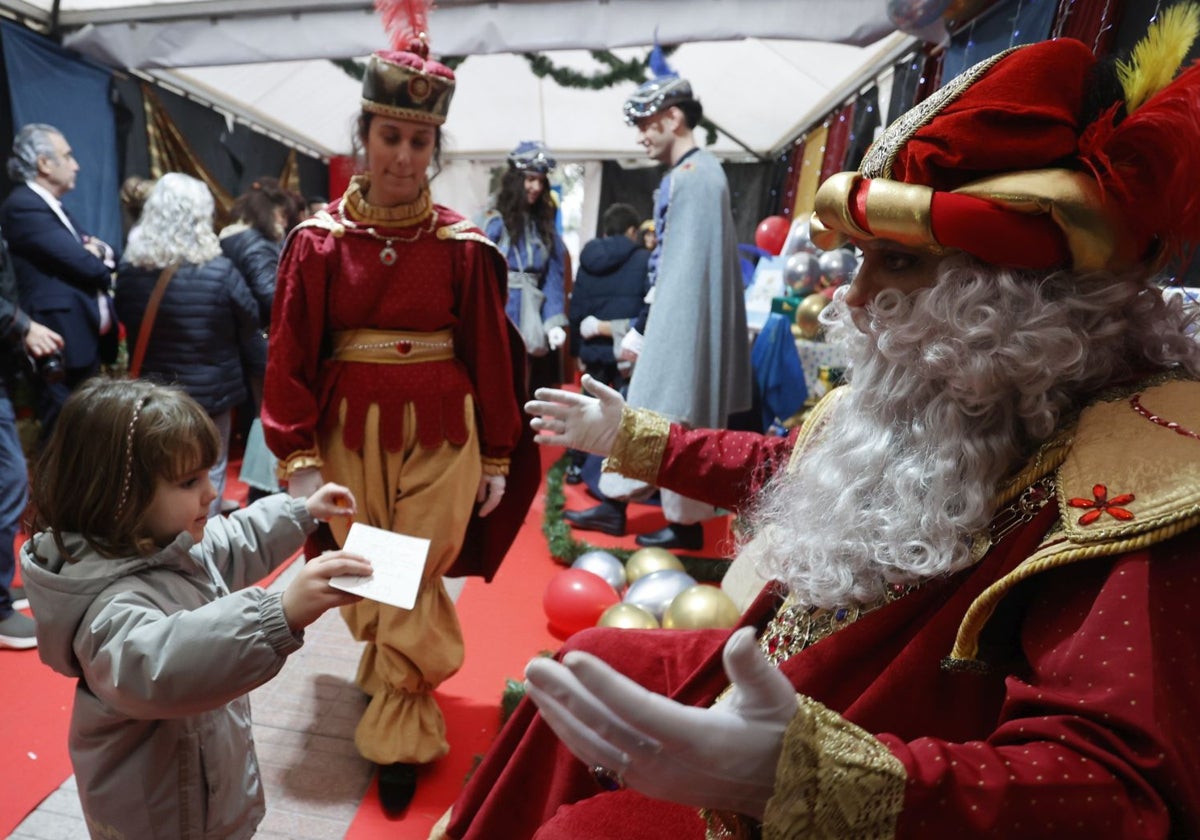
160, 734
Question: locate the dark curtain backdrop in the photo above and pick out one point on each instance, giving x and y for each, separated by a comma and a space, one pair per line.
47, 84
232, 157
1007, 24
749, 192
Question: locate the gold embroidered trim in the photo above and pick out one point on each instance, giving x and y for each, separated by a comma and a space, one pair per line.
799, 626
1062, 544
640, 444
835, 780
728, 825
302, 460
356, 208
465, 231
495, 466
877, 162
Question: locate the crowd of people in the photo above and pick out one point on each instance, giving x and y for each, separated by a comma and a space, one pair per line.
974, 558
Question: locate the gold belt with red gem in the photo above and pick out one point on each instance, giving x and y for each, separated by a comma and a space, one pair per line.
392, 347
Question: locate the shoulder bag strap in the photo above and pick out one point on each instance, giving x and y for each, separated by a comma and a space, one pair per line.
143, 339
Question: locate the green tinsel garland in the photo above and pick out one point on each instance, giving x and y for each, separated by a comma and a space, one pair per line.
565, 549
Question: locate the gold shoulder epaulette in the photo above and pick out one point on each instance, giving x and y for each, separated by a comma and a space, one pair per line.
1130, 479
464, 230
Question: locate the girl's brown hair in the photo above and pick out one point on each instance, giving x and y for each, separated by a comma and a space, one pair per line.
112, 442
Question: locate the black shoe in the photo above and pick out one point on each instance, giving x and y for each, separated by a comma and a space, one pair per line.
397, 787
689, 537
574, 475
605, 517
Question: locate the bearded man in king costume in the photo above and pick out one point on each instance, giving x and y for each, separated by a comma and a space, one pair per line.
980, 596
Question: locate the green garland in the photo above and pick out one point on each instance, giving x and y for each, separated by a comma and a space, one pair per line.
565, 549
633, 70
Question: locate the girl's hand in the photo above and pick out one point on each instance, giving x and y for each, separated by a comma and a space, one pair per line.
491, 490
330, 500
309, 594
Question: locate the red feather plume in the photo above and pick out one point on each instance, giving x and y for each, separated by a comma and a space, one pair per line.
1147, 164
406, 23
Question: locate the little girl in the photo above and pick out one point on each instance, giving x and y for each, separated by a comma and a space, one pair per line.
150, 605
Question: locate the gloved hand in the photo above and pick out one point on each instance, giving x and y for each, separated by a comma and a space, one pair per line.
555, 337
564, 418
723, 757
491, 489
631, 345
304, 482
589, 327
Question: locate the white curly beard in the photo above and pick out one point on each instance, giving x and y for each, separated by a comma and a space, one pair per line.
951, 387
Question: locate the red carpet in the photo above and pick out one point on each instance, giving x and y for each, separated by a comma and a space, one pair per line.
33, 750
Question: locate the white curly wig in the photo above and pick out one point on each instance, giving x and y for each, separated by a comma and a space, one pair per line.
176, 225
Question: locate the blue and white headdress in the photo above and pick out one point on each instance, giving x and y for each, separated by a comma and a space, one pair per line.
667, 88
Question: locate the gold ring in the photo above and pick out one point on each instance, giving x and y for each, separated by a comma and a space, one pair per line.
609, 780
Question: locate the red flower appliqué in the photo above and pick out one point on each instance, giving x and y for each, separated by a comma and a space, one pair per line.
1101, 504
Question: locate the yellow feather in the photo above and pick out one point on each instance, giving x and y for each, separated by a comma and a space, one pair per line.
1158, 55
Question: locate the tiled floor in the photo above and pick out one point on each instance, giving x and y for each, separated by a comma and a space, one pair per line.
304, 733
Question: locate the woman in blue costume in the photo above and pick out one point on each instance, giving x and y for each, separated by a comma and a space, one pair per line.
522, 225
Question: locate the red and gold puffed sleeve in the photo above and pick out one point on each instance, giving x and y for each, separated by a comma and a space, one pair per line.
482, 342
291, 389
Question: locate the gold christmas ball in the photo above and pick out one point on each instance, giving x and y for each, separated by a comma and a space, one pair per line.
628, 616
701, 607
646, 560
806, 315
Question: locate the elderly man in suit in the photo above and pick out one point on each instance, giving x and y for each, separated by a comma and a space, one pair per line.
63, 274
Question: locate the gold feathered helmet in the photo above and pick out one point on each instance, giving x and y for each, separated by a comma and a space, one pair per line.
1004, 163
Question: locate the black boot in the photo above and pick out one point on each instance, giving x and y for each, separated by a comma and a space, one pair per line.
688, 537
397, 786
608, 517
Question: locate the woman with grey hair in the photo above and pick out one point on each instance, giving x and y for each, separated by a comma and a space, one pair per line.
206, 327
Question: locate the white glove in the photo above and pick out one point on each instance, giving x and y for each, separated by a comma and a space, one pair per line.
564, 418
723, 757
555, 337
589, 327
304, 482
631, 345
491, 489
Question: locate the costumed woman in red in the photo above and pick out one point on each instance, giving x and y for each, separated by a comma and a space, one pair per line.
391, 371
981, 597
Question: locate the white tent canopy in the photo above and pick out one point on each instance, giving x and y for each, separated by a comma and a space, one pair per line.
762, 68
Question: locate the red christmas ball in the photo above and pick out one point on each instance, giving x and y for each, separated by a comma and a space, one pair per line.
772, 233
575, 599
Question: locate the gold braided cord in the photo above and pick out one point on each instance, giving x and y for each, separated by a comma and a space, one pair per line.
641, 442
835, 780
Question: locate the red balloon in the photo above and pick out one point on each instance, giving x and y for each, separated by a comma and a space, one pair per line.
772, 233
575, 599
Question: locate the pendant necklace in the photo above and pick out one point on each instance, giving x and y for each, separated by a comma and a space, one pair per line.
388, 254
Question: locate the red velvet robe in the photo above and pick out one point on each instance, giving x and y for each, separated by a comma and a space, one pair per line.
1085, 725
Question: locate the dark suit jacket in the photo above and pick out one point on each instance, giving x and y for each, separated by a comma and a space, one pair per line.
57, 277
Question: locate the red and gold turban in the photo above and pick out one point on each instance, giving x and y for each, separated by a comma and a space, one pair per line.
1000, 163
